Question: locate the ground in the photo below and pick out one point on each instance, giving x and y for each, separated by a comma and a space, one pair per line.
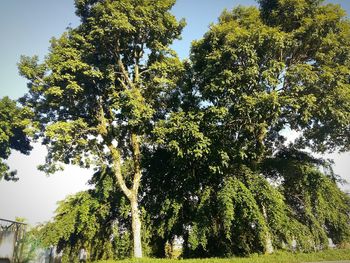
342, 255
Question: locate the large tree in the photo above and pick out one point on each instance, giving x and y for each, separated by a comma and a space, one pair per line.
254, 74
14, 130
102, 87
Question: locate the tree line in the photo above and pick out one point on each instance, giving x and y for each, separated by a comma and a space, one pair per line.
192, 149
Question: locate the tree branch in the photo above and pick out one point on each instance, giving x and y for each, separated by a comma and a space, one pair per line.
115, 153
137, 161
125, 73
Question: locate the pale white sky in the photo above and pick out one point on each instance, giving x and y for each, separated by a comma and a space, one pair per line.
25, 28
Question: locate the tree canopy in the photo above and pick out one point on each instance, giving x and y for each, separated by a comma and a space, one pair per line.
14, 130
255, 74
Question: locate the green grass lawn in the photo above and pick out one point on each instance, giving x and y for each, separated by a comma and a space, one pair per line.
278, 257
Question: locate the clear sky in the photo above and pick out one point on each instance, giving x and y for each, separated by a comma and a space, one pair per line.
26, 28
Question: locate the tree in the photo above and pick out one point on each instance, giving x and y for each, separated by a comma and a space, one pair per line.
14, 131
103, 86
285, 65
253, 74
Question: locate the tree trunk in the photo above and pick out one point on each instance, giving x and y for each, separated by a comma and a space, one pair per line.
268, 240
132, 196
135, 212
136, 227
132, 193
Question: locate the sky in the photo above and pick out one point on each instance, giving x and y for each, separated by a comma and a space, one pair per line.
26, 28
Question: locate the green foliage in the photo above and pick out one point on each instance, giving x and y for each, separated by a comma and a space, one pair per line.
252, 75
15, 129
215, 170
183, 128
95, 219
101, 89
109, 76
269, 75
314, 197
29, 245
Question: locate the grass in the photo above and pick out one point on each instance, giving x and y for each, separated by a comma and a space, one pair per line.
278, 257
